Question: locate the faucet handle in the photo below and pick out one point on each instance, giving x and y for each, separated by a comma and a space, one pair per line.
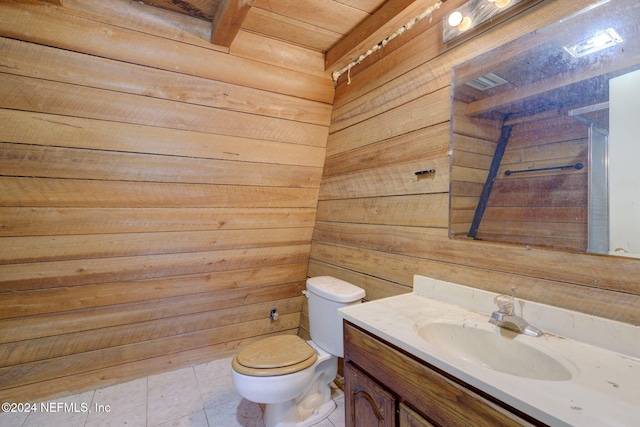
505, 303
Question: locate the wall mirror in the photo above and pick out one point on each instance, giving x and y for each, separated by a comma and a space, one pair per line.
545, 135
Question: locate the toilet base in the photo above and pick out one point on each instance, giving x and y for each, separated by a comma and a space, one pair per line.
299, 399
288, 414
312, 405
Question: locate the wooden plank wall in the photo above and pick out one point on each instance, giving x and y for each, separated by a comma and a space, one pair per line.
157, 196
378, 224
546, 208
474, 141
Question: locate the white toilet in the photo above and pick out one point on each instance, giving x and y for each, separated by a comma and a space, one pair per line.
292, 376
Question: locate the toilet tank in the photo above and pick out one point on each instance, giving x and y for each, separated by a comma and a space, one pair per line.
326, 295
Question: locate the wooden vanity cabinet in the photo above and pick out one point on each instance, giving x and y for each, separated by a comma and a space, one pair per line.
386, 387
407, 417
369, 404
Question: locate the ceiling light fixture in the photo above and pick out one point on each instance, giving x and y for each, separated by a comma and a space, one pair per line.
599, 41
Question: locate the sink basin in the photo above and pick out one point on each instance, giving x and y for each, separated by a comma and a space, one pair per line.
496, 350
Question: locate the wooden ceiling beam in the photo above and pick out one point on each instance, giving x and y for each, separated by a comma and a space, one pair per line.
386, 20
227, 21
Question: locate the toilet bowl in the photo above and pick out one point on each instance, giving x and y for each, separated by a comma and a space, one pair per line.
291, 376
300, 398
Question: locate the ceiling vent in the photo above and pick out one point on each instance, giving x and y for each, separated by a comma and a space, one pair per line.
487, 81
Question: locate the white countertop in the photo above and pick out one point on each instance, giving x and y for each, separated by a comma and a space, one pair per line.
602, 355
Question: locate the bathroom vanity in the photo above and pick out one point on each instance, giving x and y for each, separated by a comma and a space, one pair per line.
431, 358
379, 377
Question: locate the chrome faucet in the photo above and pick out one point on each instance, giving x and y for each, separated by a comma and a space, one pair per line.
505, 318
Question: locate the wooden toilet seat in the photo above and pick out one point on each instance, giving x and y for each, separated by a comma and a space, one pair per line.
277, 355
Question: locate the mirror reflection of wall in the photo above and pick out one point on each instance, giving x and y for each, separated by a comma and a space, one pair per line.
537, 143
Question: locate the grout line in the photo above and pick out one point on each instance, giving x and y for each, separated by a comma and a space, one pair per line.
146, 402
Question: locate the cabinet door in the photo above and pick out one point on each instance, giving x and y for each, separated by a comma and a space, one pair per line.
410, 418
367, 404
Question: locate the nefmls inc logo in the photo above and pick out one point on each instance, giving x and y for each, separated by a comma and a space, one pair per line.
64, 407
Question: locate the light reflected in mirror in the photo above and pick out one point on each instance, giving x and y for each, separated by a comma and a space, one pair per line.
546, 137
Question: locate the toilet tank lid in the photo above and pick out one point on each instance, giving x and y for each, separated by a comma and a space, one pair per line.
334, 289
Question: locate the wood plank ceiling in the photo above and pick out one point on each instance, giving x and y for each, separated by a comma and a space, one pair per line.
342, 29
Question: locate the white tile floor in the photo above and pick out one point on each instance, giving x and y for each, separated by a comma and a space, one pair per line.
198, 396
